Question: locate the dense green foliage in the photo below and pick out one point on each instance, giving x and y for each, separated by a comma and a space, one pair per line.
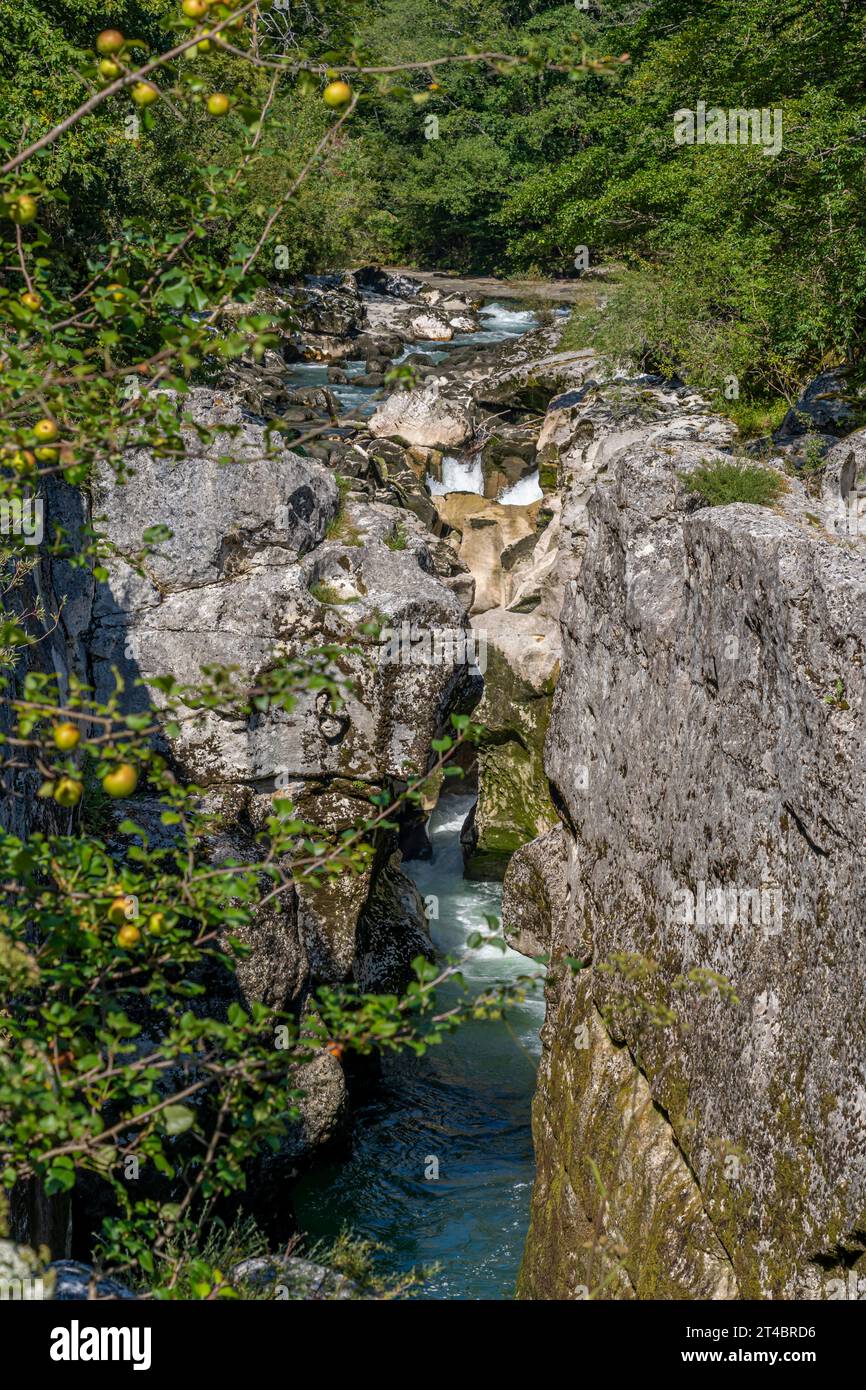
742, 263
738, 263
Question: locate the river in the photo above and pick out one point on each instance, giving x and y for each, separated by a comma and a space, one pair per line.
467, 1103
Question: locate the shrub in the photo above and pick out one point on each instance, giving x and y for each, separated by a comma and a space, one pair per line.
719, 484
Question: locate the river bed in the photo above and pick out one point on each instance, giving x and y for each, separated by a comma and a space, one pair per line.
498, 319
465, 1104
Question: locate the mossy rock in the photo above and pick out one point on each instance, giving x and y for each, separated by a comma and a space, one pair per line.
514, 802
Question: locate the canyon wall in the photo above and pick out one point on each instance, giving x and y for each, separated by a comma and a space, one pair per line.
700, 1116
268, 559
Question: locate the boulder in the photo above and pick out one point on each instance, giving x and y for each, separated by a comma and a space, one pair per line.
382, 344
829, 405
383, 957
536, 576
322, 347
263, 392
323, 1113
325, 311
425, 417
534, 895
843, 487
373, 277
292, 1279
220, 514
400, 480
431, 326
529, 371
77, 1282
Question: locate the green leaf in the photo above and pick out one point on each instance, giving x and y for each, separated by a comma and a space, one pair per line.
177, 1119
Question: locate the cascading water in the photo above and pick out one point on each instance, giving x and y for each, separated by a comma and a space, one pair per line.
458, 475
466, 1105
521, 493
499, 321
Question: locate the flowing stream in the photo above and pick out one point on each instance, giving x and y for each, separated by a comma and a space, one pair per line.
466, 1105
498, 319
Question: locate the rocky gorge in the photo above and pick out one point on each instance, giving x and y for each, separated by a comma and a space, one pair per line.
267, 553
670, 695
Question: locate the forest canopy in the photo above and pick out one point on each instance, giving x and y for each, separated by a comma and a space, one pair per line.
738, 262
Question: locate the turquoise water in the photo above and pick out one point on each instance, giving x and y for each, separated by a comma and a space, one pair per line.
498, 320
466, 1105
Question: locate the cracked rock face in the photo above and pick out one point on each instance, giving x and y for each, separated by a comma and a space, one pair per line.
265, 562
248, 577
706, 755
221, 514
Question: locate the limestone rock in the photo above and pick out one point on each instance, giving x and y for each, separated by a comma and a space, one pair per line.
325, 347
384, 956
330, 311
843, 487
323, 1108
23, 1273
521, 661
646, 1235
220, 514
828, 405
291, 1279
487, 530
700, 753
424, 417
535, 893
77, 1282
373, 277
432, 327
529, 372
265, 562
